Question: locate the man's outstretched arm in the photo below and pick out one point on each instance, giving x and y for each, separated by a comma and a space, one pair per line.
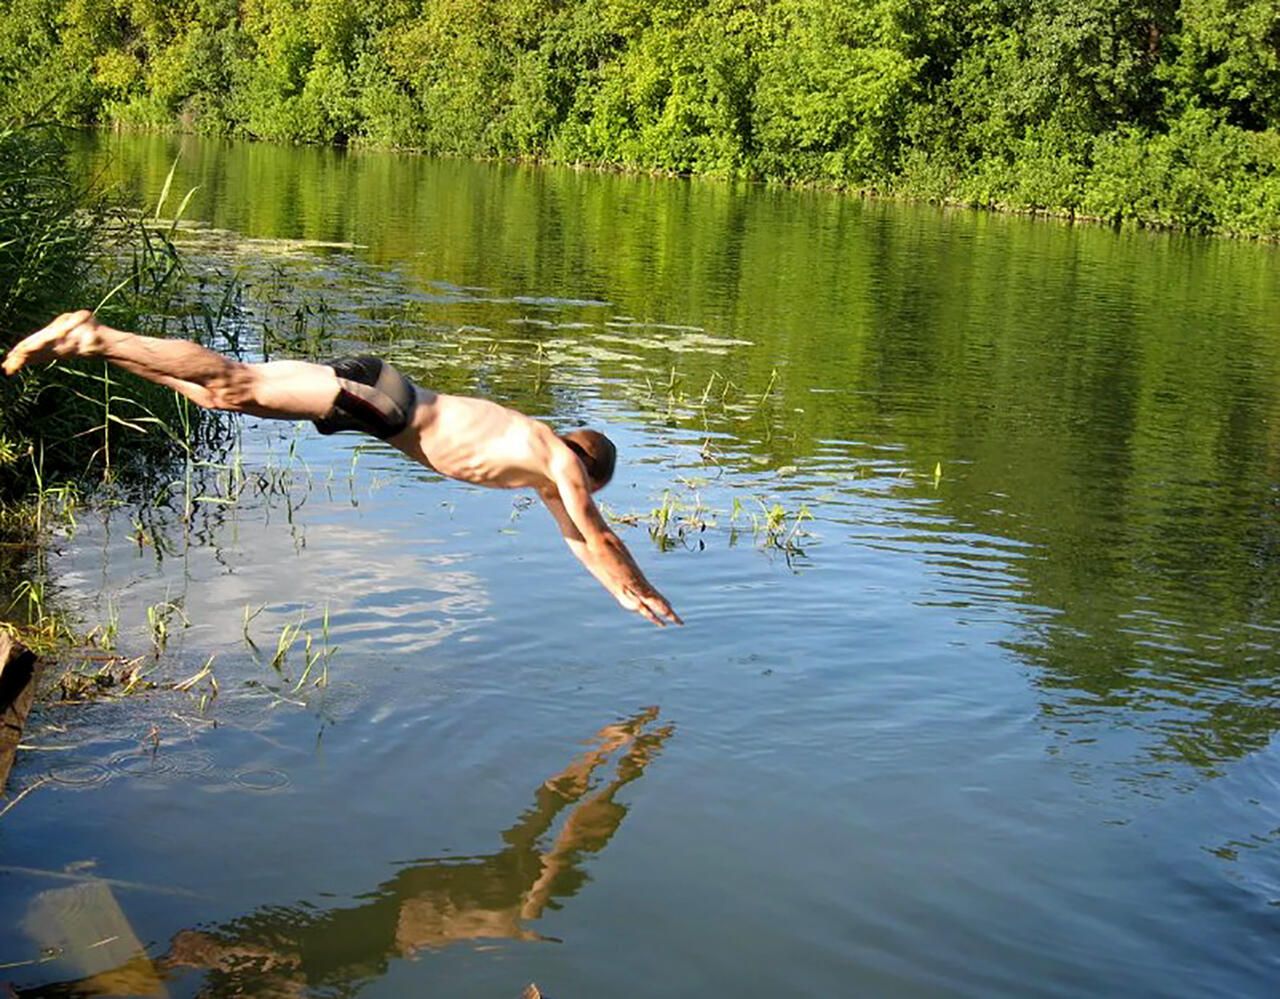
596, 545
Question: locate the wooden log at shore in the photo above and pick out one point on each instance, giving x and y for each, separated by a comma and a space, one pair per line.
19, 671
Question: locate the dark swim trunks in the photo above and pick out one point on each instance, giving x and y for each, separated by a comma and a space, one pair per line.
373, 397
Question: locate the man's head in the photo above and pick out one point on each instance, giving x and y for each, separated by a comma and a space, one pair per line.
597, 453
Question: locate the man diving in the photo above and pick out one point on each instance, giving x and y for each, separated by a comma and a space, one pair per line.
472, 440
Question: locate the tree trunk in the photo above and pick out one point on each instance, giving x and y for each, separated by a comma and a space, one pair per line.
18, 672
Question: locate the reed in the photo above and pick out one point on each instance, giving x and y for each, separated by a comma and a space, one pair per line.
159, 616
686, 521
202, 675
288, 636
105, 635
59, 239
68, 428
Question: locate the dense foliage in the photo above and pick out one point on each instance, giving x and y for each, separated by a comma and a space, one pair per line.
63, 246
45, 236
1160, 111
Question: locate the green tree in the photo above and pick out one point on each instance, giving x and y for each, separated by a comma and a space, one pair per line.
1040, 104
837, 81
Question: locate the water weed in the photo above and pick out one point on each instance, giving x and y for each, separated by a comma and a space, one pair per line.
685, 522
42, 627
248, 619
288, 635
59, 241
105, 635
98, 677
205, 673
159, 616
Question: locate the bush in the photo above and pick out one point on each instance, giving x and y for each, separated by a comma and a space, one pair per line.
53, 238
1152, 111
1200, 174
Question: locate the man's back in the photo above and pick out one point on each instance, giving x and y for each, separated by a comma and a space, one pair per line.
478, 441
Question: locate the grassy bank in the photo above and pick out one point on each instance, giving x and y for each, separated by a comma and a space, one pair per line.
65, 246
1164, 113
64, 429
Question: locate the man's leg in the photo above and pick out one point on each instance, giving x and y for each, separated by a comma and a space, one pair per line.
282, 390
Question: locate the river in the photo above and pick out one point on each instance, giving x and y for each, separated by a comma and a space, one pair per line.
974, 521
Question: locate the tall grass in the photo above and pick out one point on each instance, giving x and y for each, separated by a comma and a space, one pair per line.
67, 427
47, 231
62, 245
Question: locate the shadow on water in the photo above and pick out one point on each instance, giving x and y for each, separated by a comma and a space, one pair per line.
429, 903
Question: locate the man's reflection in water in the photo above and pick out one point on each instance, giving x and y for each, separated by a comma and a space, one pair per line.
287, 951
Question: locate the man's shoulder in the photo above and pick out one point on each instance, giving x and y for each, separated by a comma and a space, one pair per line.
542, 438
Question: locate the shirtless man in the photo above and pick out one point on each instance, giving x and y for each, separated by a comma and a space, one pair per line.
472, 440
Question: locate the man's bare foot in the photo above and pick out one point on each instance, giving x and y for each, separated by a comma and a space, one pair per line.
73, 334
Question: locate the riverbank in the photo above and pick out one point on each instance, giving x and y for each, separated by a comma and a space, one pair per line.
65, 244
1163, 118
907, 194
66, 431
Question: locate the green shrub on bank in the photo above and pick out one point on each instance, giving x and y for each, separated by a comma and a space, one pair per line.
61, 248
1152, 111
1202, 173
46, 233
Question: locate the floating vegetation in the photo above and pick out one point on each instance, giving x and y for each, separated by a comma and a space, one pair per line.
94, 677
158, 617
685, 523
314, 653
774, 526
673, 522
248, 619
205, 671
104, 635
204, 674
288, 635
97, 673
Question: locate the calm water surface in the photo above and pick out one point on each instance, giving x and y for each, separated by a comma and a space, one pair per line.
988, 709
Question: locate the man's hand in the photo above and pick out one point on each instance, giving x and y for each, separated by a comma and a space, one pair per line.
599, 549
73, 334
652, 606
612, 562
608, 559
